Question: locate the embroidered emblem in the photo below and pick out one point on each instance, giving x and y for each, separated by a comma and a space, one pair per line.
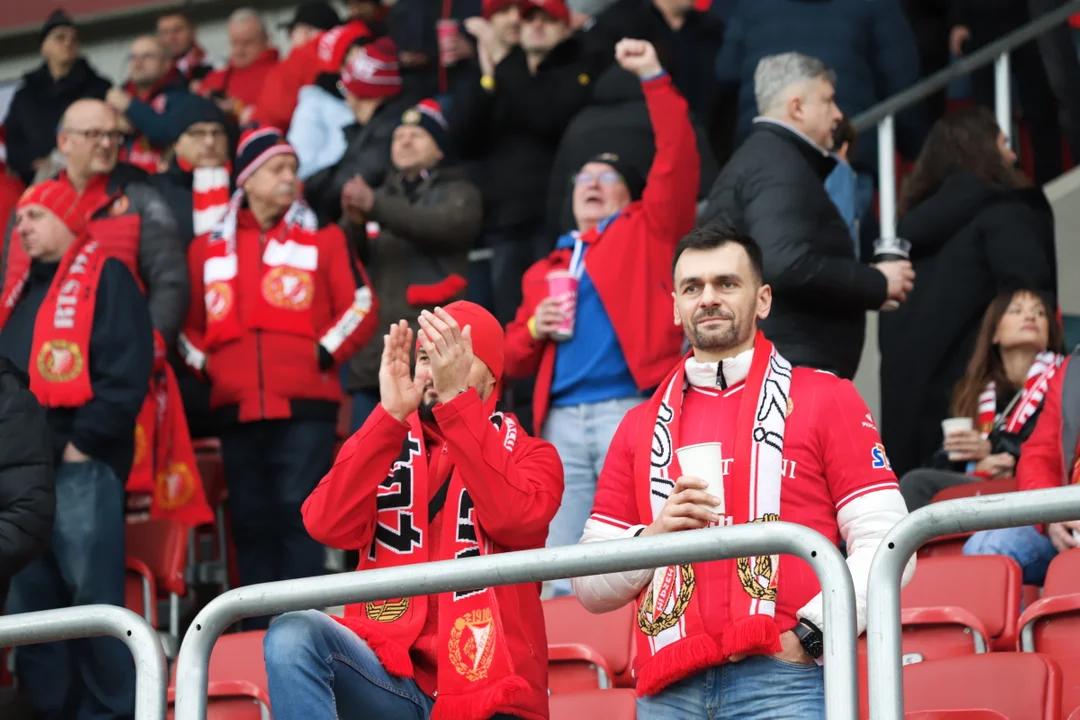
386, 610
583, 79
410, 117
119, 206
219, 299
758, 574
880, 459
60, 361
175, 486
472, 644
666, 599
289, 288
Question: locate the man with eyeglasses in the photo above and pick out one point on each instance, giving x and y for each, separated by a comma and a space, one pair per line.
624, 340
148, 103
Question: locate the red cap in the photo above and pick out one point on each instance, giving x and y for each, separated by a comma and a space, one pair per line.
487, 333
490, 7
555, 8
58, 198
334, 44
373, 72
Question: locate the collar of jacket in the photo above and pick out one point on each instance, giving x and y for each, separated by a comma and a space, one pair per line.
81, 74
820, 160
395, 182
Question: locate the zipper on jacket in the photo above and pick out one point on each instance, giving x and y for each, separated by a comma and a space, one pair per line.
258, 337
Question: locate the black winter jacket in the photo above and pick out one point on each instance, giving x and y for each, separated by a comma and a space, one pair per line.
27, 490
773, 190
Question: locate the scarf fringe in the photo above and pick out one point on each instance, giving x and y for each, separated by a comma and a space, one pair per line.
752, 635
511, 691
676, 662
392, 655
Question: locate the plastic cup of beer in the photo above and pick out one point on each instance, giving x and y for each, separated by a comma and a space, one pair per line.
705, 461
956, 424
563, 283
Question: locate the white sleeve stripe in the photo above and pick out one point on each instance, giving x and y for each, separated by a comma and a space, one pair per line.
193, 356
611, 521
336, 336
892, 485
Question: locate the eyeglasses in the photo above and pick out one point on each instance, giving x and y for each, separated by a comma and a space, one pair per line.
608, 177
205, 133
96, 135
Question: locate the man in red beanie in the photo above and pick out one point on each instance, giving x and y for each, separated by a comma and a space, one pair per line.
435, 473
76, 321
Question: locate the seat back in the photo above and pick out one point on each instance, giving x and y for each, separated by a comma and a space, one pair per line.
140, 590
976, 489
1021, 686
610, 634
1063, 575
618, 704
211, 470
981, 714
988, 586
162, 545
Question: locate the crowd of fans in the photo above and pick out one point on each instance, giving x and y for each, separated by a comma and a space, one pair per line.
512, 187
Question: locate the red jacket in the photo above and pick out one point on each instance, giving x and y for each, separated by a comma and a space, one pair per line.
273, 375
11, 189
277, 100
243, 84
515, 498
1042, 457
630, 264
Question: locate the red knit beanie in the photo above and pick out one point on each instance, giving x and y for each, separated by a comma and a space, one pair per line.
487, 333
58, 198
373, 72
334, 44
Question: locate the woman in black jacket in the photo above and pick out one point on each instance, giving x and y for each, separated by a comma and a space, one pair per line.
1018, 351
976, 229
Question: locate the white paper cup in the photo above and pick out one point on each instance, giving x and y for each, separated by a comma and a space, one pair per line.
956, 424
705, 461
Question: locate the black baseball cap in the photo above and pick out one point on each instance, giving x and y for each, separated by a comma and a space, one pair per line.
319, 15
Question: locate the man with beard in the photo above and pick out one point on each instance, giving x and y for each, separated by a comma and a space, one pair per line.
792, 444
434, 473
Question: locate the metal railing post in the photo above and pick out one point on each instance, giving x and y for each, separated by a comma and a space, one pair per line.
151, 677
528, 566
886, 150
886, 688
1003, 96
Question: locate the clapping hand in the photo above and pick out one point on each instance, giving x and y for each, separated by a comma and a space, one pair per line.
399, 392
449, 349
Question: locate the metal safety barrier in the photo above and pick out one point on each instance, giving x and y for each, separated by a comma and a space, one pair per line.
151, 676
997, 52
883, 629
527, 566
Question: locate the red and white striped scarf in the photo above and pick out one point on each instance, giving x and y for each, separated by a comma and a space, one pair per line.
209, 196
1027, 401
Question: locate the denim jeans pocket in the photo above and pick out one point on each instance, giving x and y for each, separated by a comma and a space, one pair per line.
791, 665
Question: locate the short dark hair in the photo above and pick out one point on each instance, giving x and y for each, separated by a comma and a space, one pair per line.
182, 14
712, 237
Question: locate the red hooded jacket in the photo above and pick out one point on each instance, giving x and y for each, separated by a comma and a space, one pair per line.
1042, 458
277, 100
515, 498
629, 264
242, 84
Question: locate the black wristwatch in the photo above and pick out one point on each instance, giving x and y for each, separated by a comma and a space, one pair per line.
810, 638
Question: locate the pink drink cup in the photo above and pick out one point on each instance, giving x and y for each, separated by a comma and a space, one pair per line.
446, 31
563, 282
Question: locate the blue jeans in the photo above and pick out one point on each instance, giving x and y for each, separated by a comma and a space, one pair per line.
758, 688
93, 678
1025, 545
581, 434
318, 668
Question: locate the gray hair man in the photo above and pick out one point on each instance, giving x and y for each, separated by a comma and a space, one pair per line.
773, 190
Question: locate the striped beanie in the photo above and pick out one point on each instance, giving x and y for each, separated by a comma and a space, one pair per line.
373, 72
58, 198
428, 114
256, 147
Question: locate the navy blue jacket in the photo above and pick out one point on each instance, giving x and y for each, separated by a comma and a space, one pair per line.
121, 357
869, 44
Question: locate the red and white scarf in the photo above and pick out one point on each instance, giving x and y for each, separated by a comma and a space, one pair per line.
1027, 401
678, 632
476, 675
192, 59
209, 196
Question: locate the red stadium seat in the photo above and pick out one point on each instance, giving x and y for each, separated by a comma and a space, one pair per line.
586, 650
238, 685
1020, 686
162, 545
212, 471
948, 545
606, 704
1051, 625
140, 590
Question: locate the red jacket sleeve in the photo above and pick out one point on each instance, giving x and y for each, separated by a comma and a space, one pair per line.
190, 343
516, 493
522, 352
616, 501
1042, 459
353, 305
341, 511
669, 201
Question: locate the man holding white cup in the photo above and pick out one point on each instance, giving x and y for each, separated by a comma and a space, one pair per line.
736, 435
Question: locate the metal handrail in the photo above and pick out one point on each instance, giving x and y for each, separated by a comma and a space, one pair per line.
841, 689
151, 677
886, 689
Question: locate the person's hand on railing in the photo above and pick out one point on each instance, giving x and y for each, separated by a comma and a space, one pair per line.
901, 278
958, 37
687, 508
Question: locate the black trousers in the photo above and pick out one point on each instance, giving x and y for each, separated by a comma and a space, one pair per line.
920, 486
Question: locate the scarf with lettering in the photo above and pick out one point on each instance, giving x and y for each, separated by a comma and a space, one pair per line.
678, 633
476, 676
59, 364
1027, 401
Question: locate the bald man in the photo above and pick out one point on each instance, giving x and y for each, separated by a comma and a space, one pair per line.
236, 87
126, 213
149, 100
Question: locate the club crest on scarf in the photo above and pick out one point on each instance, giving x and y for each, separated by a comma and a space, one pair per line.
666, 599
219, 300
472, 643
60, 361
175, 486
386, 610
758, 574
289, 288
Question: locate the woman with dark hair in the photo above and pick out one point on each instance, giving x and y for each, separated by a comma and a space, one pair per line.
976, 229
1018, 347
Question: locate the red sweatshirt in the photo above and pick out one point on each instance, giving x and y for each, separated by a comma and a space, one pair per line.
515, 494
629, 264
243, 84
